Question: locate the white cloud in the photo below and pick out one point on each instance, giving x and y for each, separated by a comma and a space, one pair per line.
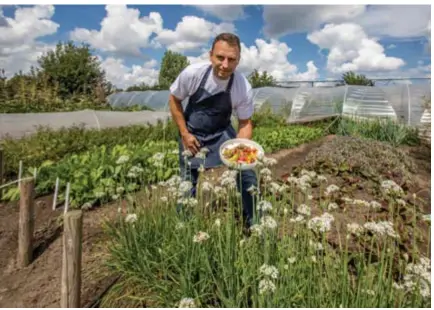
191, 33
122, 32
269, 56
286, 19
224, 12
123, 76
19, 48
351, 49
397, 21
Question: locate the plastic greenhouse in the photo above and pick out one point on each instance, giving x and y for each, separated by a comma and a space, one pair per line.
19, 125
400, 101
404, 102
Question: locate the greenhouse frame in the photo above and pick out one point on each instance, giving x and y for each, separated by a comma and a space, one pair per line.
406, 103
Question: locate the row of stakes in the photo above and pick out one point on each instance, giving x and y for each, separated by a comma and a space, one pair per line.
72, 235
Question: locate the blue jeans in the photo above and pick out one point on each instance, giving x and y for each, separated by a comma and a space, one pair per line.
248, 179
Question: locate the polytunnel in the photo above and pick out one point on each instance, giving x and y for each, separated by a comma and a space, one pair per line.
404, 102
399, 101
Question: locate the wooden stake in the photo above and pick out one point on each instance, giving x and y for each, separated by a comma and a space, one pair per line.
2, 170
71, 265
26, 223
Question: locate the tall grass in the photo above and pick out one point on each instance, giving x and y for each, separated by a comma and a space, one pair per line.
204, 257
385, 130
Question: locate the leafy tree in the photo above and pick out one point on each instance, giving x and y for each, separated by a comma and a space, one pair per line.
350, 78
73, 70
172, 64
261, 80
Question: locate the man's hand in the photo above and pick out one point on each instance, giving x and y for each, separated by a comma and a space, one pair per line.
245, 129
190, 143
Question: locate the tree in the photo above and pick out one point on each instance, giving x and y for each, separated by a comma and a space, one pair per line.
350, 78
261, 80
72, 70
172, 64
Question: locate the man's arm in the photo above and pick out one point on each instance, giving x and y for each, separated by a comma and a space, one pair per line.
176, 110
245, 128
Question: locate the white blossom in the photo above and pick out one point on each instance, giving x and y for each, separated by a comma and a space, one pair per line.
268, 222
269, 271
122, 159
304, 210
264, 206
266, 286
321, 223
187, 303
131, 218
200, 237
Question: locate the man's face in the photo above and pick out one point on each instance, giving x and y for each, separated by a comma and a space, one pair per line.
224, 59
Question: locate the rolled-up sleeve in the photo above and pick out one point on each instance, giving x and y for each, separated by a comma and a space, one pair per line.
245, 107
180, 87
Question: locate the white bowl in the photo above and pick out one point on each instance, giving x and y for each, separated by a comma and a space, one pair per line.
235, 142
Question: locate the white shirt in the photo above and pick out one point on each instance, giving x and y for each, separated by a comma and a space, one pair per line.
189, 80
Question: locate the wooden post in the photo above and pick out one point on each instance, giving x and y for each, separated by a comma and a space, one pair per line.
26, 223
71, 265
2, 170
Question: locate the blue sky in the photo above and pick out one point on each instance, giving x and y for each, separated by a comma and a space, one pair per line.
295, 42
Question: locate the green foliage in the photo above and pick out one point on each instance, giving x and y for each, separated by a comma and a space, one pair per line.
172, 65
48, 144
277, 138
352, 78
101, 174
68, 79
203, 256
385, 130
73, 69
261, 80
265, 117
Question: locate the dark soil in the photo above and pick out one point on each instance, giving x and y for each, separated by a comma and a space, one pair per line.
38, 285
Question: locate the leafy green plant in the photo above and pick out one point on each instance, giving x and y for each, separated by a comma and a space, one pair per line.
276, 138
53, 145
102, 174
385, 130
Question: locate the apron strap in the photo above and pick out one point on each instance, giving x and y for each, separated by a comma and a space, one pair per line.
228, 88
205, 77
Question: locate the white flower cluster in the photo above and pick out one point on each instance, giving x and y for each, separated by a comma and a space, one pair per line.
266, 285
187, 302
418, 276
200, 237
229, 179
122, 159
381, 228
389, 187
321, 223
157, 160
304, 182
375, 205
332, 188
131, 218
134, 171
355, 229
266, 222
264, 206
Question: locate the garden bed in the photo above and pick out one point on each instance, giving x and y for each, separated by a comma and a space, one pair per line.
39, 284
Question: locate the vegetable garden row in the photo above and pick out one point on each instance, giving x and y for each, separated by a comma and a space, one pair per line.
337, 232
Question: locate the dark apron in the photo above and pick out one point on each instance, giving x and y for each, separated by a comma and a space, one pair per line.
208, 118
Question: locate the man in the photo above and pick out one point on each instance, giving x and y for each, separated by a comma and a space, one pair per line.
214, 89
